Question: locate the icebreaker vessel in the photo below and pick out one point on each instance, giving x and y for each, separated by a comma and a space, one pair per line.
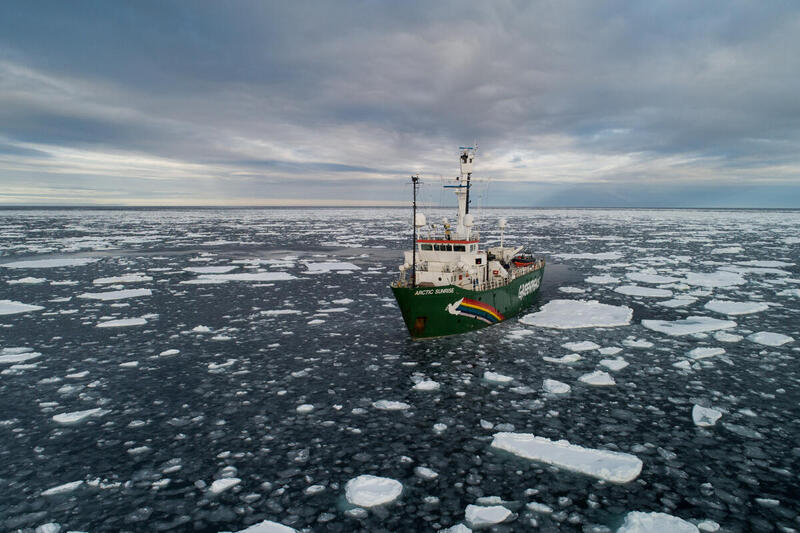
448, 284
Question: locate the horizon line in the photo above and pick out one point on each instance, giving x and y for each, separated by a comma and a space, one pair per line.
8, 207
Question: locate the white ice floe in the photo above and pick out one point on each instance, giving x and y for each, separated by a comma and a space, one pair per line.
26, 281
426, 385
650, 277
722, 336
371, 491
167, 353
51, 263
719, 278
689, 325
727, 307
598, 378
580, 346
458, 528
210, 269
390, 405
705, 352
615, 467
610, 350
630, 342
604, 279
555, 387
126, 278
221, 485
305, 408
769, 339
116, 295
705, 416
494, 377
649, 292
78, 416
123, 323
564, 359
62, 489
765, 264
331, 266
790, 292
571, 290
639, 522
601, 256
480, 516
11, 307
267, 526
728, 250
425, 473
569, 314
205, 279
279, 312
202, 329
680, 301
11, 356
708, 526
614, 364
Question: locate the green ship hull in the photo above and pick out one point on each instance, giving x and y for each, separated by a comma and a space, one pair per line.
450, 310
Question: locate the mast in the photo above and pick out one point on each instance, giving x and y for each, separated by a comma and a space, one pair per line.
414, 185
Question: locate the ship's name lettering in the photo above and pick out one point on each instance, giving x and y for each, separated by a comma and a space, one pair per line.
426, 292
528, 287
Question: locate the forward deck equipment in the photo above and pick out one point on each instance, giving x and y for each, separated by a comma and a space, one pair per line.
448, 284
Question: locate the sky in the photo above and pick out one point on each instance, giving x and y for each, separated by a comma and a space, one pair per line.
576, 104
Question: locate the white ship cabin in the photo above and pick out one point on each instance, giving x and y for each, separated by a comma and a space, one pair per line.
445, 259
448, 255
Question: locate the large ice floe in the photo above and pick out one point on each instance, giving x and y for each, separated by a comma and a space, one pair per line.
78, 416
125, 278
51, 263
17, 355
207, 279
689, 325
569, 314
727, 307
598, 378
705, 416
768, 338
481, 516
268, 526
555, 387
639, 522
10, 307
116, 295
64, 488
720, 278
647, 292
123, 323
614, 467
372, 491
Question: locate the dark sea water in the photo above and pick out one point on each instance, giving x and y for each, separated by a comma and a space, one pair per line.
305, 318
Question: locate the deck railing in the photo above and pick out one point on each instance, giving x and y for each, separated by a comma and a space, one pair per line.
516, 272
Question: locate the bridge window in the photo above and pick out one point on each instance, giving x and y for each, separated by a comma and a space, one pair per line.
426, 247
447, 247
437, 247
459, 248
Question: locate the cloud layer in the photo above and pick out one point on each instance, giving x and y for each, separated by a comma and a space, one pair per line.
656, 103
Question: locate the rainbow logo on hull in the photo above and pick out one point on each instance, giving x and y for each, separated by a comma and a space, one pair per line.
475, 309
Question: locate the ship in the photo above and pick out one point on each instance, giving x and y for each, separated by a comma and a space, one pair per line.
448, 283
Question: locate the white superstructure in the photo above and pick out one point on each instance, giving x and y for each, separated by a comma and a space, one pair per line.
447, 255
